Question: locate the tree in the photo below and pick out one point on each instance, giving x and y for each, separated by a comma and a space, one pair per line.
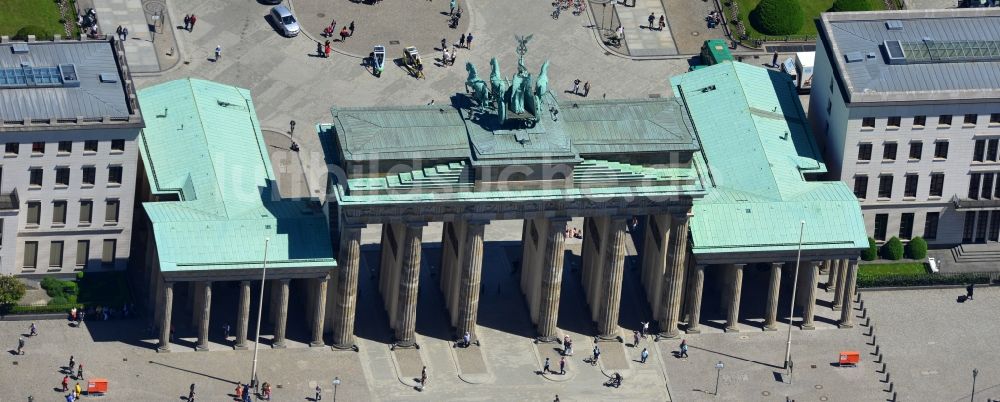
872, 252
11, 290
777, 17
851, 5
917, 248
892, 249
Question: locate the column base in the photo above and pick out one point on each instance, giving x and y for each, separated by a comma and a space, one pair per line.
279, 345
770, 328
692, 331
608, 338
240, 347
548, 339
731, 330
345, 347
163, 349
807, 327
669, 334
405, 345
201, 348
836, 308
845, 325
317, 344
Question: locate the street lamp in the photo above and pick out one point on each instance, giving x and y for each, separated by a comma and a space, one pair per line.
975, 372
791, 310
718, 373
260, 309
336, 382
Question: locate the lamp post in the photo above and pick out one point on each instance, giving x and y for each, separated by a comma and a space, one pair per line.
260, 309
791, 310
975, 372
718, 373
336, 382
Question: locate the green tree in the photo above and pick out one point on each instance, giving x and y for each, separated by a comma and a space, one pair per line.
11, 291
777, 17
892, 249
851, 5
917, 248
871, 253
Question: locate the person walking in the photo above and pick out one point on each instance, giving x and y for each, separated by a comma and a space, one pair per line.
20, 345
326, 49
968, 291
597, 355
193, 20
187, 22
643, 356
461, 40
351, 28
645, 328
423, 378
454, 56
225, 331
33, 330
468, 41
586, 89
79, 318
562, 365
545, 366
65, 383
651, 19
119, 32
72, 364
77, 390
445, 56
576, 87
344, 33
635, 338
684, 348
319, 394
774, 60
218, 53
467, 339
79, 372
663, 21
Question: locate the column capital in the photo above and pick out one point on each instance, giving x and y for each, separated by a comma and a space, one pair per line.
353, 225
284, 281
816, 263
477, 221
415, 224
778, 264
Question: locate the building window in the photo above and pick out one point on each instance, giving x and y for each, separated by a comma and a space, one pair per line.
114, 175
974, 186
979, 151
916, 149
970, 119
35, 177
117, 145
906, 225
910, 189
991, 150
885, 186
864, 152
62, 176
868, 123
994, 233
889, 151
881, 222
37, 148
941, 150
919, 121
82, 252
970, 226
65, 147
89, 175
982, 219
108, 252
86, 211
994, 119
944, 120
30, 254
90, 146
937, 184
861, 187
34, 213
987, 186
11, 148
893, 122
111, 212
931, 226
55, 254
58, 212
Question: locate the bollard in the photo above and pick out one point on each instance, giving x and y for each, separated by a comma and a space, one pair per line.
873, 340
864, 313
890, 387
894, 396
877, 349
879, 357
887, 378
861, 303
868, 321
883, 367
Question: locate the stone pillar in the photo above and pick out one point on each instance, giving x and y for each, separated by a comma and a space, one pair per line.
673, 279
809, 297
552, 267
205, 289
838, 296
281, 316
472, 267
614, 267
166, 312
654, 260
696, 287
243, 316
771, 320
831, 280
735, 291
847, 310
409, 280
319, 312
348, 265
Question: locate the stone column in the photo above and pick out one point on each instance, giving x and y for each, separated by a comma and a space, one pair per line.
694, 303
348, 265
771, 320
735, 291
831, 280
166, 312
552, 267
809, 296
409, 280
319, 312
847, 310
838, 296
472, 267
243, 316
205, 289
614, 267
673, 278
281, 317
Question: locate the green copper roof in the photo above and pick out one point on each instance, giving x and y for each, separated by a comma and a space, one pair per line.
758, 146
203, 144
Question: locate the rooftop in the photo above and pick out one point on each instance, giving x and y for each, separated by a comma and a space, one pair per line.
204, 145
56, 82
919, 55
758, 155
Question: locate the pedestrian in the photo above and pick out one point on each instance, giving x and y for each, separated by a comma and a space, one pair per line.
423, 377
79, 318
225, 330
33, 330
467, 338
597, 354
79, 371
968, 291
684, 348
77, 390
70, 398
351, 28
124, 37
569, 345
326, 49
557, 399
239, 391
644, 355
20, 345
193, 20
452, 6
187, 22
218, 56
635, 338
468, 41
586, 89
774, 60
454, 55
461, 40
65, 383
545, 367
445, 56
645, 328
663, 21
344, 33
119, 32
562, 365
651, 19
576, 86
72, 364
319, 394
246, 392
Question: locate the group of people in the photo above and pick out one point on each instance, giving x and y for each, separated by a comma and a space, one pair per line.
562, 366
74, 394
713, 19
652, 20
189, 21
455, 12
346, 31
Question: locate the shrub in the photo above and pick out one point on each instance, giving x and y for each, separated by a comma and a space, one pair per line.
851, 5
39, 32
58, 300
52, 308
877, 280
892, 249
917, 248
872, 252
777, 17
11, 290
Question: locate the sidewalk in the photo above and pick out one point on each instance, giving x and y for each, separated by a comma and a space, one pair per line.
139, 49
641, 40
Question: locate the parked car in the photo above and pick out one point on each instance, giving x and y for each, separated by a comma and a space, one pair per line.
286, 22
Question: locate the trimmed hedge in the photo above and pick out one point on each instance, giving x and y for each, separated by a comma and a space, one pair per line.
52, 308
882, 280
39, 32
872, 252
851, 5
777, 17
917, 248
892, 249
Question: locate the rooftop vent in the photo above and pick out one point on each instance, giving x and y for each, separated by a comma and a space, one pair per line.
894, 52
853, 57
109, 78
19, 48
894, 25
68, 74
